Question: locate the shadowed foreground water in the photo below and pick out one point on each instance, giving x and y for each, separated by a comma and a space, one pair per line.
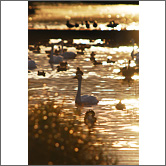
115, 133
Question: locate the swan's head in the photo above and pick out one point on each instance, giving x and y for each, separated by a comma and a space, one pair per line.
78, 77
90, 113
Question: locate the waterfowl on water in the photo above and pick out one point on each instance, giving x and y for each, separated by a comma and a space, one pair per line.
110, 61
95, 24
76, 25
87, 23
128, 71
31, 64
96, 62
135, 55
92, 58
67, 55
85, 99
62, 67
55, 59
90, 118
112, 24
41, 73
120, 106
69, 25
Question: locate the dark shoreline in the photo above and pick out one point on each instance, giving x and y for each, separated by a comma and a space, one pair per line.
120, 37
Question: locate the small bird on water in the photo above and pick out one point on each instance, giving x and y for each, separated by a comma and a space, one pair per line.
90, 118
41, 73
120, 106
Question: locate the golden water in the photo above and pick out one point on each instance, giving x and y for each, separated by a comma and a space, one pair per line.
119, 130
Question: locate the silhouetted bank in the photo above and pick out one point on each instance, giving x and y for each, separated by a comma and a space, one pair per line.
119, 37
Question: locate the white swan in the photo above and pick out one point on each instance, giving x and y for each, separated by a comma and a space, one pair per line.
67, 55
31, 64
55, 59
135, 54
85, 99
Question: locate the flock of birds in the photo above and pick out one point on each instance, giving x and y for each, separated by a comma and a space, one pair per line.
111, 24
85, 100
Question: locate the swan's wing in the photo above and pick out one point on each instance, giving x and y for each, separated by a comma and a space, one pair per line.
31, 64
57, 59
69, 55
89, 100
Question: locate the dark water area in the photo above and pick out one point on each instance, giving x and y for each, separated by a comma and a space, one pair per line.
116, 38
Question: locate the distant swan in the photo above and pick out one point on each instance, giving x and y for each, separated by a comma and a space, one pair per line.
67, 55
69, 25
135, 54
95, 24
112, 24
87, 23
76, 25
55, 59
85, 99
31, 64
128, 71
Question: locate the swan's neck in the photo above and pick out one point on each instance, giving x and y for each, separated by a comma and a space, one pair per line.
78, 96
61, 52
51, 55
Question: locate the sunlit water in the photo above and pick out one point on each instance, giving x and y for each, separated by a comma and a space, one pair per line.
54, 16
119, 130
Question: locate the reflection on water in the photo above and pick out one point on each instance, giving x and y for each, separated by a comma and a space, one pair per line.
55, 15
116, 131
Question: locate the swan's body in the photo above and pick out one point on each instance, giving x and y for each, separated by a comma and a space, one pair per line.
55, 59
67, 55
31, 64
85, 99
128, 71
